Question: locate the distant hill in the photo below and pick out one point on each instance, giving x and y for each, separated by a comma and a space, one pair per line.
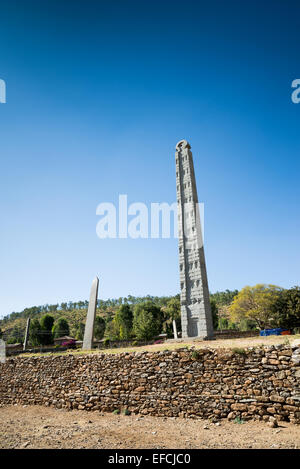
13, 325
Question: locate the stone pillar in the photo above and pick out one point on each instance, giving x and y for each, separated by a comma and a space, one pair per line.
175, 329
2, 351
26, 334
90, 318
196, 317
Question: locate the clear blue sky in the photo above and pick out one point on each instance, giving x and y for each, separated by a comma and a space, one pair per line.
98, 94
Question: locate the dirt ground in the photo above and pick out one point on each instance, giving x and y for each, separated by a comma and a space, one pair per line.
41, 427
245, 342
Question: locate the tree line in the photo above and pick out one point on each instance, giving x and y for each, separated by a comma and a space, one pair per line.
259, 307
102, 305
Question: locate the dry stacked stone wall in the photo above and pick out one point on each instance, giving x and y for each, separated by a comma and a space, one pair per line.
260, 383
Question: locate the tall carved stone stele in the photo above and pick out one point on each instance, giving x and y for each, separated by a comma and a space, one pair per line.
196, 318
90, 318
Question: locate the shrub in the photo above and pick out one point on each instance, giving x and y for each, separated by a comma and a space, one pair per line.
238, 420
239, 351
195, 355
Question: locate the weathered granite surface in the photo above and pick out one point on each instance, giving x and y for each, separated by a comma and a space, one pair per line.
196, 317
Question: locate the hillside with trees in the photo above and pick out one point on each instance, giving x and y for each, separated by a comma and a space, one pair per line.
142, 318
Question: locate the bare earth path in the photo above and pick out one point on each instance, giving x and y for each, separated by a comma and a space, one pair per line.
42, 427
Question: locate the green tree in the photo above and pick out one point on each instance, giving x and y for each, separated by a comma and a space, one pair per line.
99, 328
255, 304
35, 332
112, 330
147, 320
61, 328
172, 312
214, 313
286, 309
123, 320
79, 331
223, 297
46, 329
16, 335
